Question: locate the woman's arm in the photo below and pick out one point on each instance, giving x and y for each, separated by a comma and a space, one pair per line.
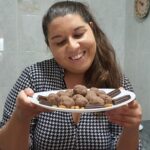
129, 117
130, 121
14, 135
129, 139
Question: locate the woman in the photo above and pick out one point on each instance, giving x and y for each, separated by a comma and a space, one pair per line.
82, 55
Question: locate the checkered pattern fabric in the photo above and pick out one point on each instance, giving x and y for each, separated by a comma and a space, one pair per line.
56, 130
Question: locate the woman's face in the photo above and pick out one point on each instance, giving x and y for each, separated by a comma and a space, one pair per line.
72, 43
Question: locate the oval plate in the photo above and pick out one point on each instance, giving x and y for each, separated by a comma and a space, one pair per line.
123, 93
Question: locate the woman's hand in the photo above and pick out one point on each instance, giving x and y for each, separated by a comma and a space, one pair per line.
18, 126
25, 109
128, 116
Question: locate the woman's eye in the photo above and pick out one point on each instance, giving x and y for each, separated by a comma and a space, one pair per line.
78, 35
61, 43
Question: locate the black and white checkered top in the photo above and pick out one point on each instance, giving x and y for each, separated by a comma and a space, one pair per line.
56, 130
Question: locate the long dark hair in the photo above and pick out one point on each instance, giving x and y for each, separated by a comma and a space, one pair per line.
104, 71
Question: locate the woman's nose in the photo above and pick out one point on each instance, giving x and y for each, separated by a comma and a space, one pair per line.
73, 44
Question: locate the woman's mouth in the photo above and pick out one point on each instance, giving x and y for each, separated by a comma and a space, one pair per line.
78, 56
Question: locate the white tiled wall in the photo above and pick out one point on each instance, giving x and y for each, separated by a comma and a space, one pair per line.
20, 26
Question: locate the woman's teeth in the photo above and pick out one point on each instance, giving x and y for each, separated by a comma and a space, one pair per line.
78, 56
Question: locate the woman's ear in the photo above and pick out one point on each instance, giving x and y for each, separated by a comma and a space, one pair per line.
91, 24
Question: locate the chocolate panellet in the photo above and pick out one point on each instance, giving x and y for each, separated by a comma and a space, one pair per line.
94, 99
66, 101
80, 89
80, 100
81, 97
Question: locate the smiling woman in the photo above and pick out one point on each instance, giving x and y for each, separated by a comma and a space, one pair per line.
82, 55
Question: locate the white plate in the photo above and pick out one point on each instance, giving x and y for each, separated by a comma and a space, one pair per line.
123, 93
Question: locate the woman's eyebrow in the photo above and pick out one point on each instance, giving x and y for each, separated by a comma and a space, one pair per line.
59, 36
80, 27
